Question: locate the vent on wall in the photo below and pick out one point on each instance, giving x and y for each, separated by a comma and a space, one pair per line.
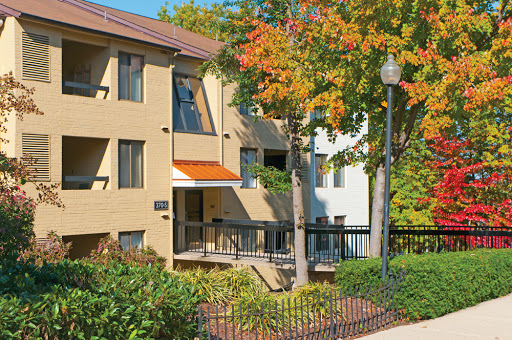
37, 147
35, 57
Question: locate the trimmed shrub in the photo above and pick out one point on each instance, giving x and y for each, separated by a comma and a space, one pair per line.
82, 300
110, 251
438, 284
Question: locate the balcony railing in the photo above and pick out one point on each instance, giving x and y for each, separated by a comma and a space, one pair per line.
325, 244
271, 241
82, 182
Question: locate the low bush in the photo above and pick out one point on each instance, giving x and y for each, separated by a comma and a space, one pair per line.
51, 250
83, 300
110, 250
16, 218
222, 286
437, 284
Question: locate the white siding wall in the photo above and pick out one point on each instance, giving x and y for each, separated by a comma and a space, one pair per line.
351, 201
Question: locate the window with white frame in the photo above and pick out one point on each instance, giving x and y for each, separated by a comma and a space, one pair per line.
130, 76
131, 160
132, 239
320, 176
339, 178
247, 156
191, 112
246, 110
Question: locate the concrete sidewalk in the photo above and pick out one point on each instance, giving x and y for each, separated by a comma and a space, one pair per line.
490, 320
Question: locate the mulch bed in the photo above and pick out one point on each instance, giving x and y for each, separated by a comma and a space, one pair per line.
351, 317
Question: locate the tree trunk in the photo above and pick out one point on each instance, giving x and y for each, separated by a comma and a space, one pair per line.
377, 213
301, 263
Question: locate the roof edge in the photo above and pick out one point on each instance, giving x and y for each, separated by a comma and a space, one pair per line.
10, 11
136, 27
90, 30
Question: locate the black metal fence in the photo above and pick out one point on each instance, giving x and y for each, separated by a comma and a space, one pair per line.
336, 315
422, 239
272, 241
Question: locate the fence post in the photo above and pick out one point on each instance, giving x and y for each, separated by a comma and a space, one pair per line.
342, 245
200, 322
271, 242
204, 240
236, 242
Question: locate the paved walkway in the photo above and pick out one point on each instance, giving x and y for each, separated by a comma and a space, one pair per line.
490, 320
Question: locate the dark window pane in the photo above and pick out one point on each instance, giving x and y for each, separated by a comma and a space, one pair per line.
124, 165
182, 86
320, 177
177, 121
124, 76
137, 64
189, 112
136, 165
339, 178
136, 239
124, 239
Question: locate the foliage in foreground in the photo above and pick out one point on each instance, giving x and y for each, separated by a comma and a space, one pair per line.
82, 300
218, 286
438, 284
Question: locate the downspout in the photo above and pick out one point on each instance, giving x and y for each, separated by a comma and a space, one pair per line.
171, 160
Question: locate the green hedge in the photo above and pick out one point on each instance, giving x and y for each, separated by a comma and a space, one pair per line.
437, 284
81, 300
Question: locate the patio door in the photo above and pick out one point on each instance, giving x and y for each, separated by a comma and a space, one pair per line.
194, 205
194, 213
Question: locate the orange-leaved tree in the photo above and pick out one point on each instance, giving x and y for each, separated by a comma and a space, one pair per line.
283, 59
454, 56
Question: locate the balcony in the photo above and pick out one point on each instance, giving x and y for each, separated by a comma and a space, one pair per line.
85, 163
84, 69
268, 242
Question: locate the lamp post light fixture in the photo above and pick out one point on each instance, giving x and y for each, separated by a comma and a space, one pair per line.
390, 75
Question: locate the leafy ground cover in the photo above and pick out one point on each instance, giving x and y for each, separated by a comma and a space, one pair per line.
438, 284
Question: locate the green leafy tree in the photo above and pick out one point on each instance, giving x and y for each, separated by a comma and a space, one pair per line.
208, 21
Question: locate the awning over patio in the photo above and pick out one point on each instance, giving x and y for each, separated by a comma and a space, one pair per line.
202, 174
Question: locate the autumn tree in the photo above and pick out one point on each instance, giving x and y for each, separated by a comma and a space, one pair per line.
16, 208
208, 21
283, 62
446, 52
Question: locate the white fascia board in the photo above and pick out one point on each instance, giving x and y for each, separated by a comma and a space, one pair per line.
205, 184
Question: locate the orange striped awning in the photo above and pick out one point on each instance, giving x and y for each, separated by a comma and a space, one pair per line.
199, 174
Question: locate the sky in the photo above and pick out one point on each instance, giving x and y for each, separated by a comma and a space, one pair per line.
147, 8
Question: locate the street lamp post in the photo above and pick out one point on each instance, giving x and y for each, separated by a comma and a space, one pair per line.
390, 75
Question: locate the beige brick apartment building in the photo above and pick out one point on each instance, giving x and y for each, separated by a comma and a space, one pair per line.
137, 140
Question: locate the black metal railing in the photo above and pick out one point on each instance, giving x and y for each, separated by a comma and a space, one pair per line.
326, 244
422, 239
334, 315
272, 241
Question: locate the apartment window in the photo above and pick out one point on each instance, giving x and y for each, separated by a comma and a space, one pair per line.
131, 154
133, 239
339, 178
322, 240
339, 220
247, 156
246, 110
191, 112
275, 158
320, 176
130, 76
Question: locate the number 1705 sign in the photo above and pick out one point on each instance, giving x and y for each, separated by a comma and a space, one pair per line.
161, 205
